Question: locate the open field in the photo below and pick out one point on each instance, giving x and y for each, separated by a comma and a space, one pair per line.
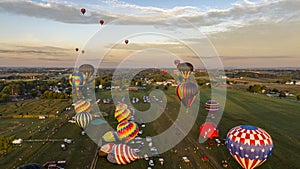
278, 117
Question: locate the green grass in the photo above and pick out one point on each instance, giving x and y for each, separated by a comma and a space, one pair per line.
279, 117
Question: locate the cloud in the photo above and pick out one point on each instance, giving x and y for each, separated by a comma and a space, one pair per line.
210, 21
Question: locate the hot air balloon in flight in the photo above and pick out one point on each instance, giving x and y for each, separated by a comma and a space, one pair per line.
87, 69
250, 146
122, 115
82, 106
212, 106
127, 131
101, 22
126, 41
122, 154
77, 80
187, 93
83, 119
209, 130
185, 69
176, 62
82, 11
76, 49
110, 136
82, 51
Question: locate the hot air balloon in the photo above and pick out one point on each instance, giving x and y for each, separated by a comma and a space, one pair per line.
101, 22
83, 119
212, 106
82, 106
176, 62
209, 130
163, 72
76, 49
77, 80
250, 146
126, 41
187, 93
122, 154
82, 51
82, 11
121, 106
122, 115
106, 149
87, 69
31, 166
185, 68
110, 136
127, 131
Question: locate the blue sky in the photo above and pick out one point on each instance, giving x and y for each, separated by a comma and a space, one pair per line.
243, 32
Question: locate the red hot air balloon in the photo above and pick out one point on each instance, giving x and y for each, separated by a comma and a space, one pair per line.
82, 11
126, 41
163, 72
208, 130
101, 22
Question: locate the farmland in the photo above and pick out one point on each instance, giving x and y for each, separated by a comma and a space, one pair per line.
279, 117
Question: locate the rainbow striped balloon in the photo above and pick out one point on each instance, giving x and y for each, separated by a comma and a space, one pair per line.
77, 80
212, 106
127, 131
83, 106
121, 106
123, 115
187, 93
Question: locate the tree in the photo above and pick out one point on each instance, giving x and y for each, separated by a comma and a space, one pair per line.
298, 96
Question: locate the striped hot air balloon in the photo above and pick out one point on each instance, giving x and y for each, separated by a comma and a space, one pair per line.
187, 93
106, 149
123, 154
121, 106
77, 80
82, 106
127, 131
110, 136
250, 146
212, 106
87, 70
83, 119
122, 115
185, 68
209, 130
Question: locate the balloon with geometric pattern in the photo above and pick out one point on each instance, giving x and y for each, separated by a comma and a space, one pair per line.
250, 146
127, 131
209, 130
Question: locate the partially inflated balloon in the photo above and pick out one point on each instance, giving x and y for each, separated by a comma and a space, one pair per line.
111, 136
82, 106
250, 146
121, 106
83, 119
208, 130
106, 149
187, 93
127, 131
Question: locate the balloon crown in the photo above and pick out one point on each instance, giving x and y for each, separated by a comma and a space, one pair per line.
248, 127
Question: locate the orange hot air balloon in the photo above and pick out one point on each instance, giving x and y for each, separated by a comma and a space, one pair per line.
82, 11
126, 41
101, 22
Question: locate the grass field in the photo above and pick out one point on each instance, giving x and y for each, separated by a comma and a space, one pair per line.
278, 117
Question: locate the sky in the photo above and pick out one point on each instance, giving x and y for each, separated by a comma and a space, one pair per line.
243, 33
